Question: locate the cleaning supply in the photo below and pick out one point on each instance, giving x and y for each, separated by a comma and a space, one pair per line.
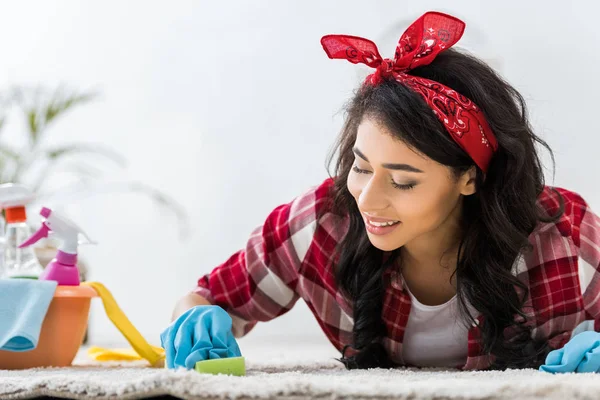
23, 306
199, 334
580, 354
118, 318
235, 366
63, 268
62, 331
18, 262
102, 354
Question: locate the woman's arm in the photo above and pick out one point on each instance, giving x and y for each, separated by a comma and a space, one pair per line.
258, 282
188, 301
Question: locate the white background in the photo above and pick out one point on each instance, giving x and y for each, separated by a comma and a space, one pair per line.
231, 108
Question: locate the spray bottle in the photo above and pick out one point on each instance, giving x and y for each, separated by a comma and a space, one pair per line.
18, 263
63, 268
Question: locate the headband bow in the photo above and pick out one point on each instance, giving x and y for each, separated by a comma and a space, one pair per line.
429, 35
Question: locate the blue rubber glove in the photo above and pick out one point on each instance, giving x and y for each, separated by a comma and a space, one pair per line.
580, 354
201, 333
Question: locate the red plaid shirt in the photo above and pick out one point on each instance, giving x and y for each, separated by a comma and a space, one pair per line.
290, 257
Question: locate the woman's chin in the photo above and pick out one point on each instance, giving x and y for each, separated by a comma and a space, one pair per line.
384, 244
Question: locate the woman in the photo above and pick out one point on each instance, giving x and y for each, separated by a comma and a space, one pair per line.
435, 243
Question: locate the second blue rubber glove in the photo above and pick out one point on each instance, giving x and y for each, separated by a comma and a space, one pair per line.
580, 354
201, 333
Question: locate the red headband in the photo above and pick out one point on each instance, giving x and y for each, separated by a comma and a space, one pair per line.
431, 34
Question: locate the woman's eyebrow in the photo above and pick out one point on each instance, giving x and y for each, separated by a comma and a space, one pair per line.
396, 167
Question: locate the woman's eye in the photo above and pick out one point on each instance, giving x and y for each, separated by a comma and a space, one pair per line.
359, 171
406, 186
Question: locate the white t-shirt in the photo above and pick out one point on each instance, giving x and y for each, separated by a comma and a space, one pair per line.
434, 335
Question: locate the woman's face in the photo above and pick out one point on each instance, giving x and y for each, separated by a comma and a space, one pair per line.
402, 195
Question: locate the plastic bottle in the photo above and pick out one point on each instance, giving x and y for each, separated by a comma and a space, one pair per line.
18, 262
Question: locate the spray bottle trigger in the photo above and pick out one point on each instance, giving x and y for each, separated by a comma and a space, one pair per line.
40, 234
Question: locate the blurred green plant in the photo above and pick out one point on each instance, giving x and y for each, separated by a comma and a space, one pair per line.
32, 164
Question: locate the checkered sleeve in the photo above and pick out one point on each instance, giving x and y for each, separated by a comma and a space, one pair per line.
258, 283
566, 287
587, 238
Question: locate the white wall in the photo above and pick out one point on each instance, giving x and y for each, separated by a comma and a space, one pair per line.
231, 108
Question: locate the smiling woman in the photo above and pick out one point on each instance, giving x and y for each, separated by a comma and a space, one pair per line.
436, 241
399, 184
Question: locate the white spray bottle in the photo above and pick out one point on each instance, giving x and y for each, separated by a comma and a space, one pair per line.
63, 268
18, 263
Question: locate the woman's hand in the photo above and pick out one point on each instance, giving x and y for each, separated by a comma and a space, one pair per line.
202, 332
580, 354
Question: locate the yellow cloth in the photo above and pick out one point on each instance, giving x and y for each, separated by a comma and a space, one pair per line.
102, 354
154, 355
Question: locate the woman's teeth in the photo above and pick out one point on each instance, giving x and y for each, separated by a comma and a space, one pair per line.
383, 223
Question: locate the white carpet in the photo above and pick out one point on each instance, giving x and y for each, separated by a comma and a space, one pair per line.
280, 373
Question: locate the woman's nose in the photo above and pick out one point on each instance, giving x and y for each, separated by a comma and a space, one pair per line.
372, 197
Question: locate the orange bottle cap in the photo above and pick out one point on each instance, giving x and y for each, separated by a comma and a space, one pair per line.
16, 214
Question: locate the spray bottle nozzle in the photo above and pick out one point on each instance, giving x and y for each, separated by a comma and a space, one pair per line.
61, 227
